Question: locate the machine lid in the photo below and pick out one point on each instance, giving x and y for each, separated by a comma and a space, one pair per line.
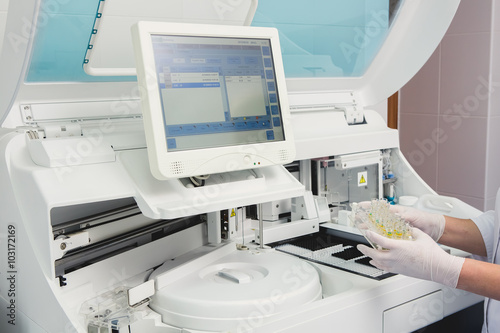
99, 48
237, 288
368, 48
49, 46
104, 58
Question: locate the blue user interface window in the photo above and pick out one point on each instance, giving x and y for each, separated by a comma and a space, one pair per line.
217, 91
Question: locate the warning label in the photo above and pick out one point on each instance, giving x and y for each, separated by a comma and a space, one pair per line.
363, 178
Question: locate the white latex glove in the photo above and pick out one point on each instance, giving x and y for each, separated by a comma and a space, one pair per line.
432, 224
420, 258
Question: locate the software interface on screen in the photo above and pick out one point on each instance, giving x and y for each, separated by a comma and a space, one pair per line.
217, 91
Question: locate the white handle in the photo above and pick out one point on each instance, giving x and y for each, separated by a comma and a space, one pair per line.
234, 275
439, 203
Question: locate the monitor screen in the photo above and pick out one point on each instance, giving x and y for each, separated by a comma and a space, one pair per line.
214, 98
217, 91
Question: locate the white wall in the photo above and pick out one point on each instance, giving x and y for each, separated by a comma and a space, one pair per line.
380, 108
4, 4
449, 123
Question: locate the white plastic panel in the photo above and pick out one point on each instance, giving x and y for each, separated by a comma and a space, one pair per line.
174, 198
415, 314
84, 110
141, 292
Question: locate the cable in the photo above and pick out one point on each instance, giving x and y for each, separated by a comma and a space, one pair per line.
198, 181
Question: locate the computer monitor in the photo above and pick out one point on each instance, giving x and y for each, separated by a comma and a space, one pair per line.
214, 98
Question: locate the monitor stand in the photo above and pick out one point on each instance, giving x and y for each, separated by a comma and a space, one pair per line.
173, 198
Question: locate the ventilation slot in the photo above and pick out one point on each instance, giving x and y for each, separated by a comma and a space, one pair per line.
177, 168
284, 155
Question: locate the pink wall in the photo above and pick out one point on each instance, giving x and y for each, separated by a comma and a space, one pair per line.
450, 111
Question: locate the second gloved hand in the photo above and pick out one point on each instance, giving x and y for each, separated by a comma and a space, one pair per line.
432, 224
420, 258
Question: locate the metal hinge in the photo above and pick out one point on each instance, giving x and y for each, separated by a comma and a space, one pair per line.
60, 131
353, 115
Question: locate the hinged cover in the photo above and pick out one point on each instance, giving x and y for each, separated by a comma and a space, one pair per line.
108, 52
414, 34
308, 34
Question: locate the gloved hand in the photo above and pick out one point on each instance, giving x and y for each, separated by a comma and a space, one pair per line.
432, 224
420, 258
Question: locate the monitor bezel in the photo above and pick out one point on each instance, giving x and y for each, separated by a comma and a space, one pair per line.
207, 160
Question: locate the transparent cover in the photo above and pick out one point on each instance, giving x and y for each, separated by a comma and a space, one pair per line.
327, 38
377, 217
110, 311
320, 38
